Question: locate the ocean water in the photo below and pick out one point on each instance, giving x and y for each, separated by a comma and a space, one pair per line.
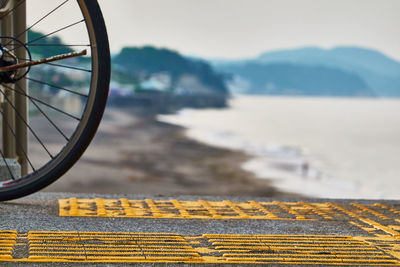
319, 147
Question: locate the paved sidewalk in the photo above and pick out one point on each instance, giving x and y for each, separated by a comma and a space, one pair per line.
76, 229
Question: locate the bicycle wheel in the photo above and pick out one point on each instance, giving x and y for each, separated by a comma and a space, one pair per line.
63, 98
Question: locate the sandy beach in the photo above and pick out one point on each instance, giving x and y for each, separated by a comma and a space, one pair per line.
138, 154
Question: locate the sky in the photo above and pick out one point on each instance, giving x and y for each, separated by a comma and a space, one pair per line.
235, 29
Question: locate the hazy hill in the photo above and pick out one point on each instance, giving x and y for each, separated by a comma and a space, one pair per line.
380, 74
295, 79
155, 72
351, 58
142, 62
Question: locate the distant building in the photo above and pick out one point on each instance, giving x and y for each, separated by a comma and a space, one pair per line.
191, 85
117, 89
158, 81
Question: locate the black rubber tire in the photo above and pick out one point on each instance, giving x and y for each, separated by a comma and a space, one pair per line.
95, 115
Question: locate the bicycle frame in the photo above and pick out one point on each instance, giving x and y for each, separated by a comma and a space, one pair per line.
5, 5
13, 26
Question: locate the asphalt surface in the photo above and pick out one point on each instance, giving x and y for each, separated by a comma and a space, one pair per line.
40, 212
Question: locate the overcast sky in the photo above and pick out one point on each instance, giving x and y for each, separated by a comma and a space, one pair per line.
246, 28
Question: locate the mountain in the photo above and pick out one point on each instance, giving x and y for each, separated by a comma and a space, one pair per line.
140, 63
380, 74
348, 58
295, 79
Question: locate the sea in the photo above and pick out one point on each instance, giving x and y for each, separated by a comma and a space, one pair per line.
317, 147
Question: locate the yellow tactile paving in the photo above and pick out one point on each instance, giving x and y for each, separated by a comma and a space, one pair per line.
7, 241
91, 247
88, 246
299, 249
381, 222
379, 246
384, 243
370, 225
202, 209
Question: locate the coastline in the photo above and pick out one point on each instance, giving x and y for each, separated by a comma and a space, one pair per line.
290, 169
141, 155
325, 147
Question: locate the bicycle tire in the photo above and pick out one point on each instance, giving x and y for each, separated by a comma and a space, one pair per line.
92, 114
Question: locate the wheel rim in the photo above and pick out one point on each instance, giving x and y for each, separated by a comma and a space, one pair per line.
60, 155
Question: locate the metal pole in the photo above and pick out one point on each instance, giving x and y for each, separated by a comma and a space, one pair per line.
21, 102
8, 110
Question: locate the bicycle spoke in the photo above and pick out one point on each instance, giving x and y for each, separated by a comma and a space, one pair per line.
66, 45
41, 19
16, 139
56, 87
66, 99
22, 119
24, 59
44, 103
54, 32
46, 116
8, 167
68, 67
71, 45
59, 65
49, 34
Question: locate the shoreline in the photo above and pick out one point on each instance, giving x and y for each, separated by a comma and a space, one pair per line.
307, 146
288, 169
141, 155
282, 166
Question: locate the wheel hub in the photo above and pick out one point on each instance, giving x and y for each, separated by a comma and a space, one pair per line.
8, 45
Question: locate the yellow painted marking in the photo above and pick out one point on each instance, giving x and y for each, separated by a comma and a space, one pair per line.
8, 239
108, 247
288, 249
188, 209
154, 209
381, 222
260, 207
289, 210
129, 212
210, 209
387, 208
182, 210
126, 247
74, 206
316, 209
374, 224
362, 207
101, 210
397, 212
369, 230
234, 207
204, 250
364, 217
